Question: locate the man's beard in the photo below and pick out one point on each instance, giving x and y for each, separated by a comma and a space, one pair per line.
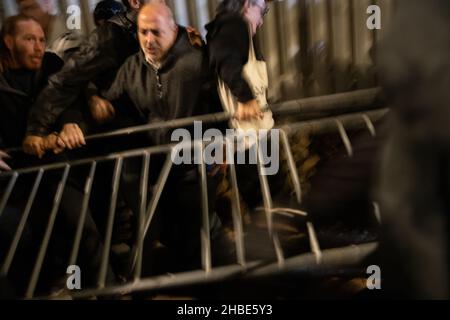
20, 57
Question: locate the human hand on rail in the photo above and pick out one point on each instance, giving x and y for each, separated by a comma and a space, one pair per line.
34, 145
70, 137
51, 143
3, 165
248, 111
101, 109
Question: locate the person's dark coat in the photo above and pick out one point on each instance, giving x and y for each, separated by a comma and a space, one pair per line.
228, 42
97, 61
18, 91
181, 87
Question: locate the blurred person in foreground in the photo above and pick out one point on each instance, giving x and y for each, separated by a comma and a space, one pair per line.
414, 187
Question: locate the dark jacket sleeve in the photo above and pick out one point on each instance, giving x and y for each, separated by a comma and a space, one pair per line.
95, 57
2, 143
228, 53
76, 115
118, 87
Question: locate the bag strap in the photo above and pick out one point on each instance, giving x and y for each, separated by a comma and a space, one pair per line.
251, 51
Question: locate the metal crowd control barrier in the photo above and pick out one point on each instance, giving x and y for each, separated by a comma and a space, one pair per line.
209, 273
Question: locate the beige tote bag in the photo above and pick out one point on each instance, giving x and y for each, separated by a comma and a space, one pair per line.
255, 73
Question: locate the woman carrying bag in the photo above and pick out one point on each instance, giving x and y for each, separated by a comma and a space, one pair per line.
241, 70
242, 80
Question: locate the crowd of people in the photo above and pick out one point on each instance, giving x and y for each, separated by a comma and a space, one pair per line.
137, 67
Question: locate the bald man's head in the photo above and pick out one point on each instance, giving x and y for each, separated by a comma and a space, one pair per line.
157, 30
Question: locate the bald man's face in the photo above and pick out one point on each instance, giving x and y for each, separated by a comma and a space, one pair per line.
157, 34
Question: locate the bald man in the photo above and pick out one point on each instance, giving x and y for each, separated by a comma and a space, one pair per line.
168, 79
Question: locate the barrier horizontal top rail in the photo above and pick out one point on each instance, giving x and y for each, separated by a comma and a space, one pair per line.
310, 108
318, 125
